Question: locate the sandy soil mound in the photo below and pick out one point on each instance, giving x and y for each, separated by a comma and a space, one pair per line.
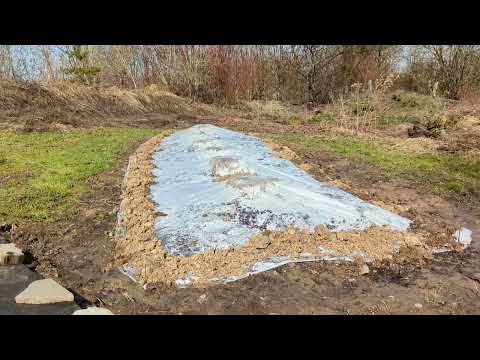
418, 146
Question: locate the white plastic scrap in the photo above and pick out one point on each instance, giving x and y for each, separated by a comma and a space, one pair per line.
128, 271
464, 236
190, 278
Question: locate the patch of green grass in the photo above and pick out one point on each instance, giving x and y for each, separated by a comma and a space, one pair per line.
321, 117
438, 171
43, 174
294, 119
408, 100
455, 185
102, 215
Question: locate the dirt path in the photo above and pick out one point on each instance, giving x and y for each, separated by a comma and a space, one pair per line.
77, 251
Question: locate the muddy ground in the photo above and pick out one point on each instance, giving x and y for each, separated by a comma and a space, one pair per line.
77, 251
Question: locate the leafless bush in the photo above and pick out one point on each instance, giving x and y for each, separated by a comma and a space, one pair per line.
453, 71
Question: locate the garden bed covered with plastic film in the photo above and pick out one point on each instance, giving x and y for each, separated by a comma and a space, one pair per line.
208, 205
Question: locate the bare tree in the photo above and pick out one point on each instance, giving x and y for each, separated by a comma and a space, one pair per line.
313, 63
7, 68
297, 73
454, 67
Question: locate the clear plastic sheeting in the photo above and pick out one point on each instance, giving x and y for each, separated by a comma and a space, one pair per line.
261, 266
217, 188
463, 236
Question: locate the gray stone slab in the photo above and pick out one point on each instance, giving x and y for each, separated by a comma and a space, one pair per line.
13, 280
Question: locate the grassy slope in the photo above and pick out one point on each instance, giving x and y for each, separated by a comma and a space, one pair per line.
441, 172
44, 174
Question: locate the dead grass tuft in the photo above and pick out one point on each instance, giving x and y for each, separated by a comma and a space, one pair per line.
272, 108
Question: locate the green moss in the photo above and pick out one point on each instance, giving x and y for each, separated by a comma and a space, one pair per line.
455, 185
44, 174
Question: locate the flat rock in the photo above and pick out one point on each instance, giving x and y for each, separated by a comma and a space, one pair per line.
10, 255
13, 280
93, 310
46, 291
364, 269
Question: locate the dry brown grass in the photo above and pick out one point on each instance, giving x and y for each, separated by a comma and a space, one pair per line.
417, 146
381, 308
61, 99
271, 108
435, 296
360, 113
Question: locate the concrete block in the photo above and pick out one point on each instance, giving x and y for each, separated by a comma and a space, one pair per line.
93, 310
10, 255
46, 291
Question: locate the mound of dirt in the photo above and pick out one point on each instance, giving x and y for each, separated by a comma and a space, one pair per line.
33, 106
431, 129
281, 151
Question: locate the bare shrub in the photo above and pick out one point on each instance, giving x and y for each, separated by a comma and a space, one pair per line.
452, 70
220, 73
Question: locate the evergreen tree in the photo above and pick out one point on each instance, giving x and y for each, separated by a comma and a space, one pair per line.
79, 65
